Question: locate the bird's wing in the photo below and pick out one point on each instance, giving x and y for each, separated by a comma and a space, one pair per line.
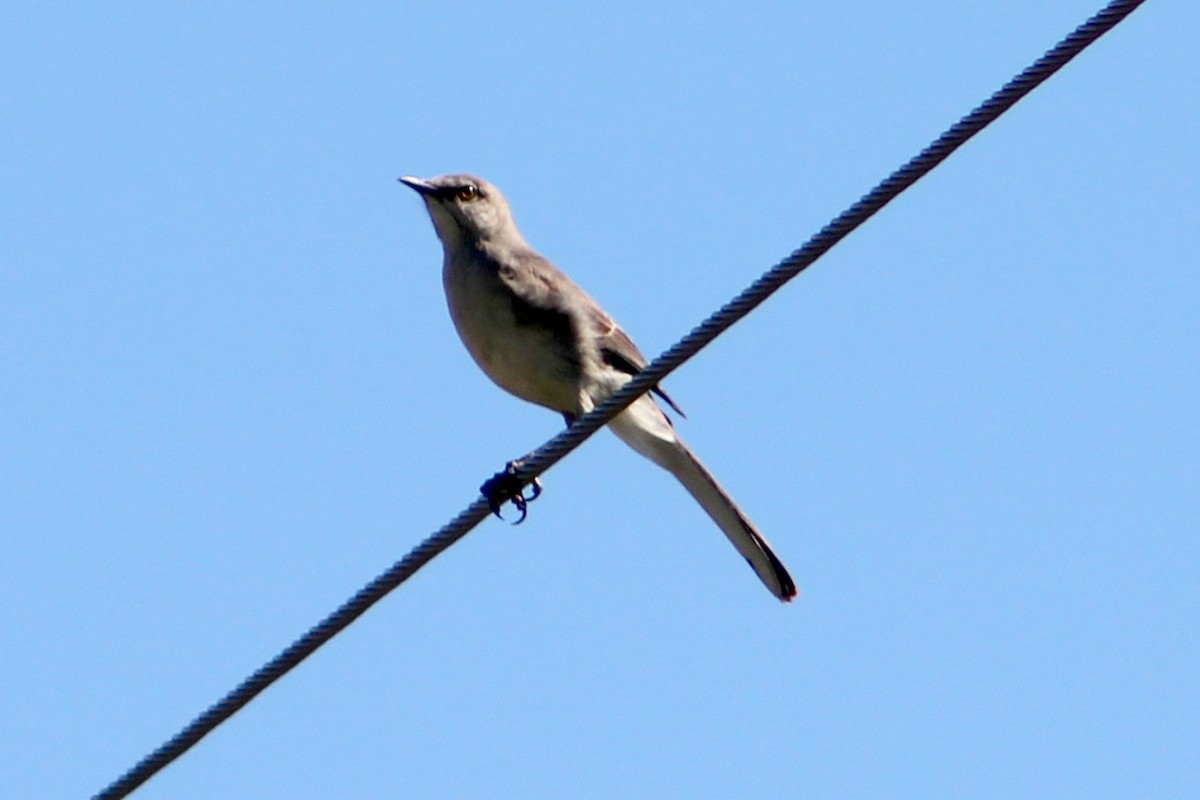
539, 296
620, 353
543, 291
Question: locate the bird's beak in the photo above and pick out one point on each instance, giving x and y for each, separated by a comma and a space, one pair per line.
421, 187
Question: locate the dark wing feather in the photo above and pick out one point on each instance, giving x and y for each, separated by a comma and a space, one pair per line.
620, 353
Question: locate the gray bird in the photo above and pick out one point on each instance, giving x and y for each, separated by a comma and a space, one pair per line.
542, 338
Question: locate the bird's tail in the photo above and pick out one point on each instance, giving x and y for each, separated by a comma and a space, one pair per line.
740, 531
644, 428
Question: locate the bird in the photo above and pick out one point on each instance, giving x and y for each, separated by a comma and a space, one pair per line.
542, 338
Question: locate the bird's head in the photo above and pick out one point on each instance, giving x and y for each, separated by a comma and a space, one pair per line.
465, 209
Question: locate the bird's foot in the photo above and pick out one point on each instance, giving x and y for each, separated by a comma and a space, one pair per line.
504, 487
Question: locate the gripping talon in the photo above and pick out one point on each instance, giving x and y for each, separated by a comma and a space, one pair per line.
522, 506
503, 487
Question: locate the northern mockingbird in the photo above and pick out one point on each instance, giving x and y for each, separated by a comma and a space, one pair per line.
541, 337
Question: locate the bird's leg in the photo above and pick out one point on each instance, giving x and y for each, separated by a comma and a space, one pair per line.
505, 486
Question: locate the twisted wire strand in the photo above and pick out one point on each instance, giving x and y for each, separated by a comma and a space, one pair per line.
833, 232
558, 447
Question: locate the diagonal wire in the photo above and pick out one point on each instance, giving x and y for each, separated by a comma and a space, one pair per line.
884, 192
558, 447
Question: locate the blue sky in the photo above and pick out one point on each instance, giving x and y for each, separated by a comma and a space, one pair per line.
231, 395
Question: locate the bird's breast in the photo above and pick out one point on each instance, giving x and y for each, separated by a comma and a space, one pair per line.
526, 351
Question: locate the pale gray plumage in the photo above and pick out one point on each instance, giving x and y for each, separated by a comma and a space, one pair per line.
542, 338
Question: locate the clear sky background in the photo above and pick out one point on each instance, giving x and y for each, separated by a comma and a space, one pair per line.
230, 395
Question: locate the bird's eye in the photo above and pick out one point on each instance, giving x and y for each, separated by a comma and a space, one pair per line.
468, 192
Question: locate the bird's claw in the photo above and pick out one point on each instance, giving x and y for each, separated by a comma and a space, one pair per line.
504, 487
